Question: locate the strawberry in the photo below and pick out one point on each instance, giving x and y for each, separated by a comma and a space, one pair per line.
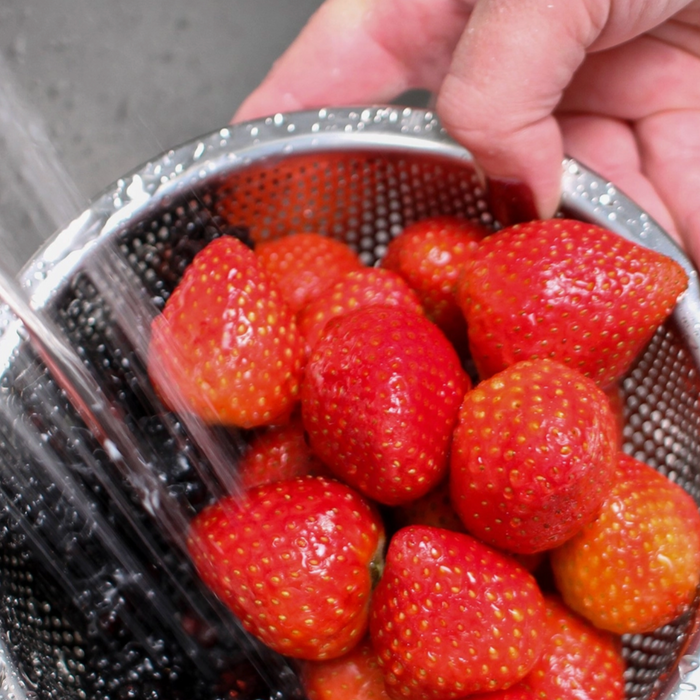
579, 662
565, 290
519, 691
355, 290
226, 347
354, 676
637, 565
533, 455
429, 255
294, 561
379, 402
278, 453
451, 617
434, 509
616, 397
304, 264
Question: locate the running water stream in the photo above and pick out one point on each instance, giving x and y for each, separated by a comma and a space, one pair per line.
137, 486
38, 193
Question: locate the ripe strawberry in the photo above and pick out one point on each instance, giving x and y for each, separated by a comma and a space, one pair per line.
226, 346
379, 402
294, 561
577, 658
616, 398
434, 509
579, 662
519, 691
451, 617
354, 676
637, 565
279, 453
357, 289
532, 456
304, 264
565, 290
430, 255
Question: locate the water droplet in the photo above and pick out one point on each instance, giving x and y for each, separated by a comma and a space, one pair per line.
688, 664
278, 119
199, 151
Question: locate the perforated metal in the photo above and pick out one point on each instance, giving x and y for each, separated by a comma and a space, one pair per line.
357, 175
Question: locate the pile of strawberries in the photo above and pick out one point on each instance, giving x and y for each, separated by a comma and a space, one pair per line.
434, 503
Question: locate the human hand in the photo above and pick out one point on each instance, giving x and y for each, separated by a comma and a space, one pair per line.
613, 83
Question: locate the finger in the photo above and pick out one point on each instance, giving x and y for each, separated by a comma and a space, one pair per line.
505, 82
641, 77
670, 149
359, 52
510, 71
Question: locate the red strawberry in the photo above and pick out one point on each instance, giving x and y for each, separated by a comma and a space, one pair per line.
279, 453
578, 659
226, 346
357, 289
519, 691
533, 456
637, 565
304, 264
354, 676
430, 255
293, 560
565, 290
616, 398
579, 662
379, 402
451, 617
434, 509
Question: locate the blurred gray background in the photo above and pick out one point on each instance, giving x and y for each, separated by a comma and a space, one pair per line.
90, 89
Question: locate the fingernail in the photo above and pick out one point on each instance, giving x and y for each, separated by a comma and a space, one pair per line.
510, 201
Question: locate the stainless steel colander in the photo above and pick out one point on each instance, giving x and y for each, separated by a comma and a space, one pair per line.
75, 621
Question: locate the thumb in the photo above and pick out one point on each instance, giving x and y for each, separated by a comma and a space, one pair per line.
508, 73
